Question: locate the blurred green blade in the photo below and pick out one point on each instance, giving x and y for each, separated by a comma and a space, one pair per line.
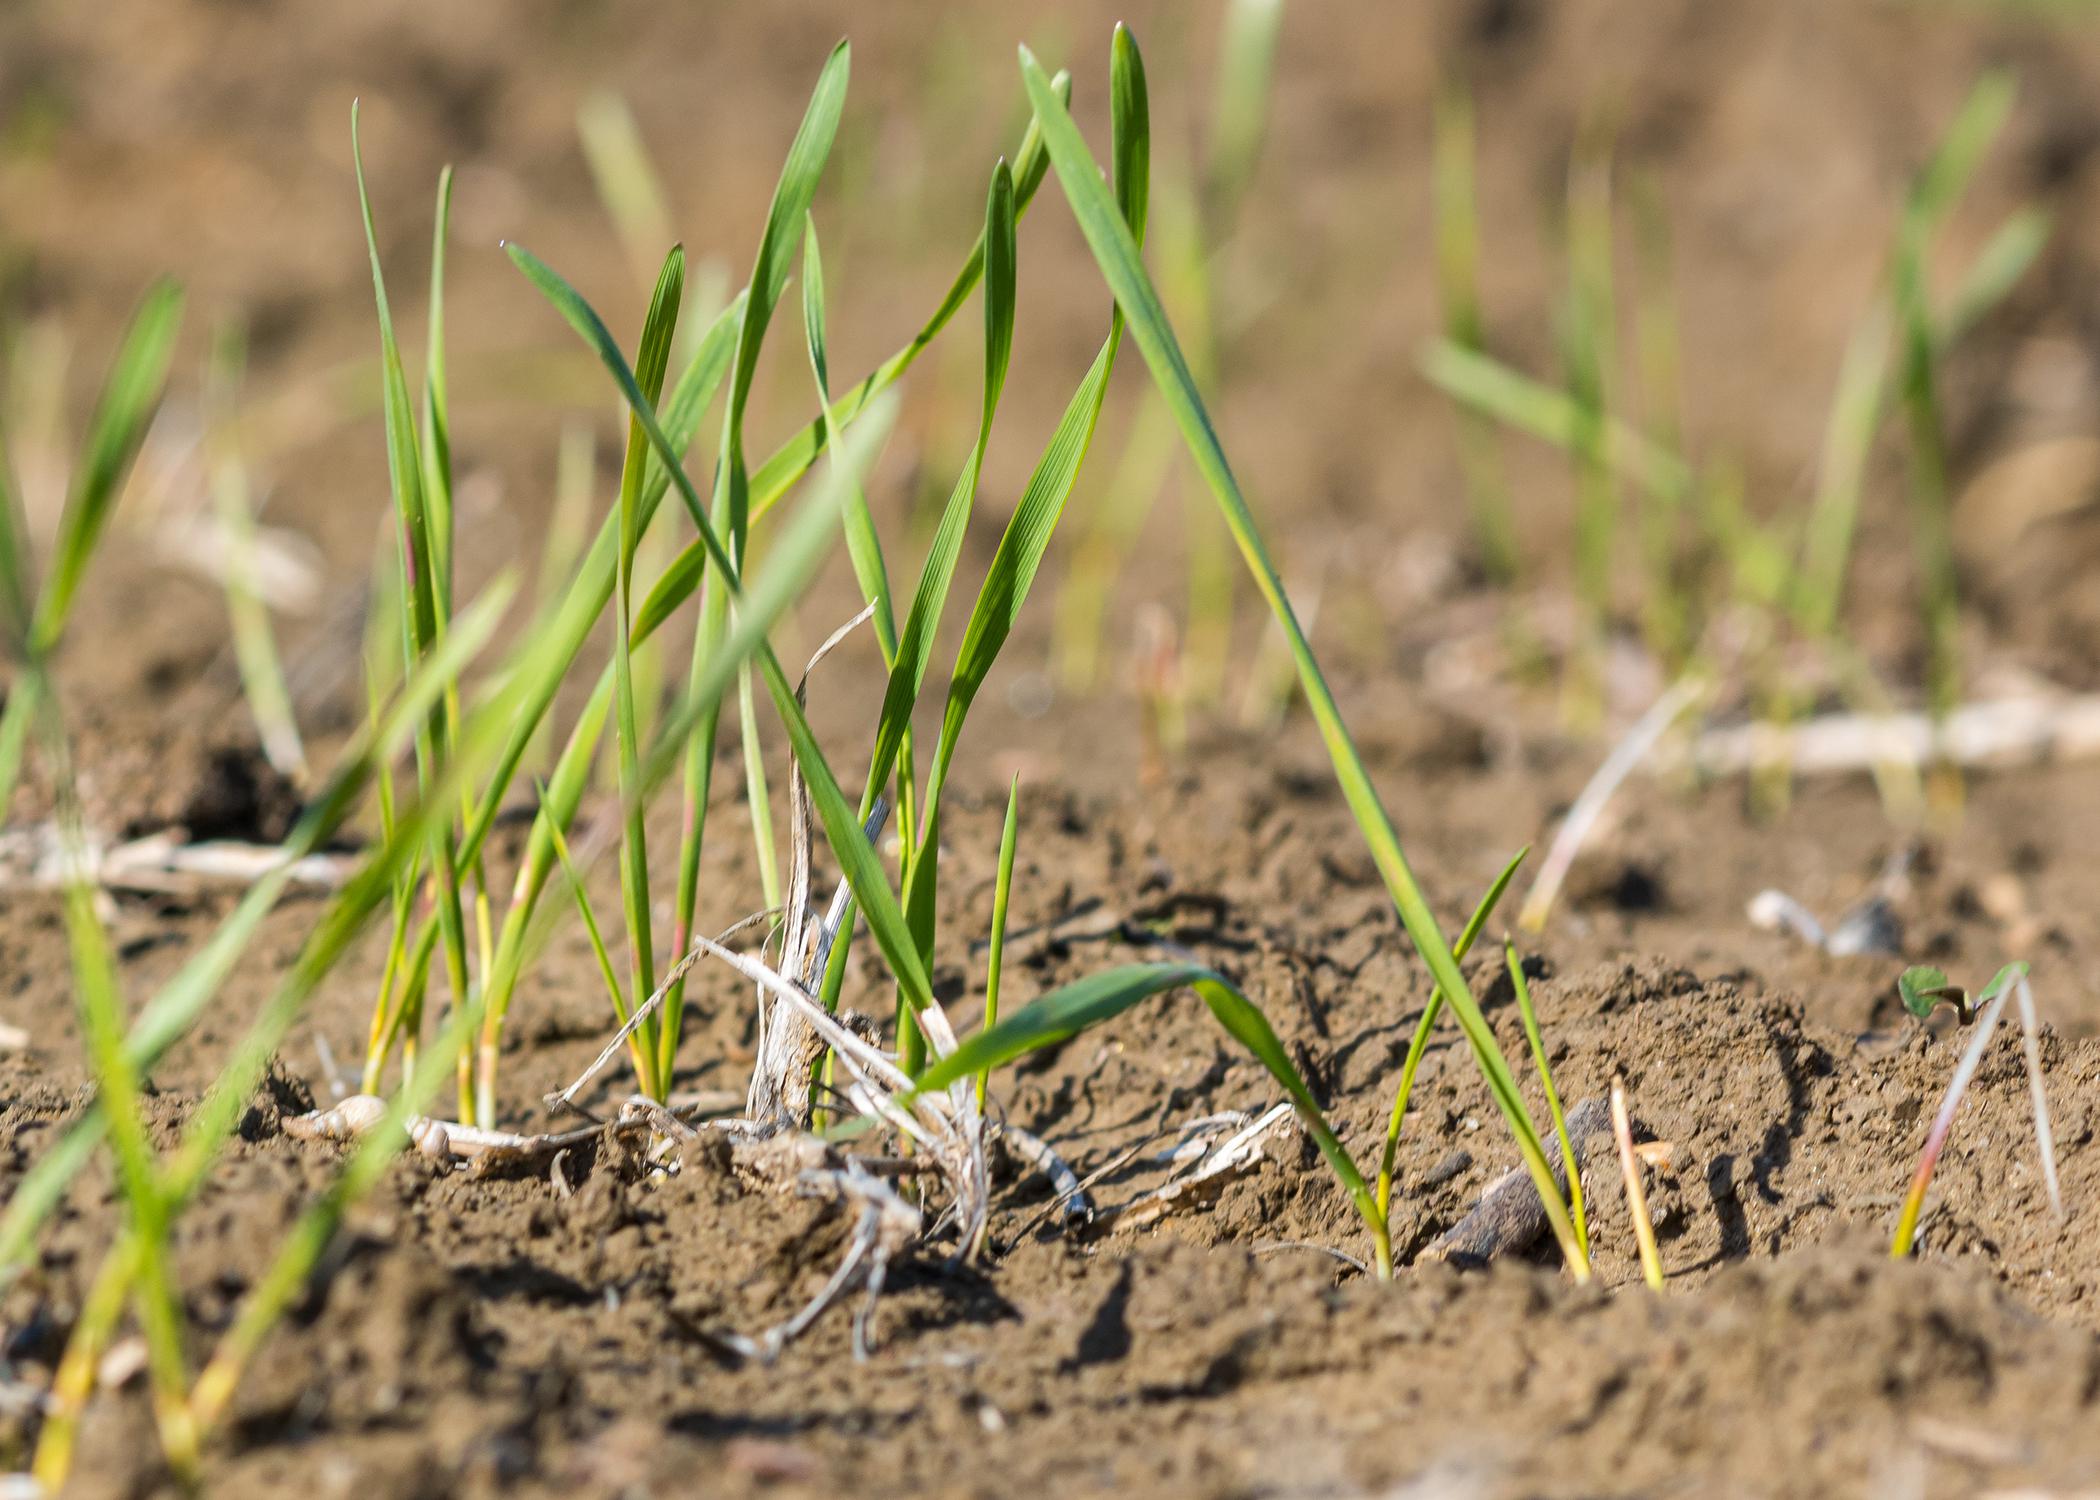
130, 395
1962, 149
2004, 259
863, 544
17, 570
1550, 415
437, 408
627, 182
1246, 68
172, 1011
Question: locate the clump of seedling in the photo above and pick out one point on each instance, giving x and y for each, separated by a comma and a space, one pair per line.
469, 734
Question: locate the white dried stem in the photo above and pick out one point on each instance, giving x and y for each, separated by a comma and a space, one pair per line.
2011, 731
1582, 817
2044, 1137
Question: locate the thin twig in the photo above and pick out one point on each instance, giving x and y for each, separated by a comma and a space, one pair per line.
566, 1099
1273, 1247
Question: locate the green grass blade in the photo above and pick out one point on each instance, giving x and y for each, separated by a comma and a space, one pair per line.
994, 963
756, 794
1130, 132
254, 643
1419, 1045
1117, 254
1545, 1072
863, 545
1547, 414
637, 1045
922, 621
776, 252
437, 410
791, 461
651, 365
130, 396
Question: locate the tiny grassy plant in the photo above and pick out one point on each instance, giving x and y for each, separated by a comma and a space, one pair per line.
1922, 990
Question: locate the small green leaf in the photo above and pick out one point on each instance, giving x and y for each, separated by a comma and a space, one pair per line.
2011, 974
1924, 988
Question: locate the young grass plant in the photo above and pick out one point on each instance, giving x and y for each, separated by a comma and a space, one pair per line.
35, 616
1116, 251
1922, 989
419, 473
594, 586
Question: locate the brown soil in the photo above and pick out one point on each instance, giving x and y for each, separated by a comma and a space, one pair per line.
473, 1333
